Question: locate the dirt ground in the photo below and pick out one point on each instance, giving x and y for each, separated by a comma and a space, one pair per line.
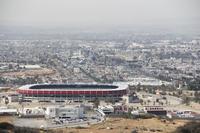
6, 119
120, 125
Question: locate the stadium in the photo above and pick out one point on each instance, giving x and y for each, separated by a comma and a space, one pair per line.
46, 92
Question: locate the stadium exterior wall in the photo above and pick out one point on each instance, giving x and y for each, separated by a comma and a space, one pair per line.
112, 91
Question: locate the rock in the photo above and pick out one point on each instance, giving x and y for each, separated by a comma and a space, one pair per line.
152, 130
163, 121
126, 127
144, 129
159, 130
108, 128
134, 131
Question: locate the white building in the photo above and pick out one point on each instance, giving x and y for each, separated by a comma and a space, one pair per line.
31, 112
7, 111
107, 109
64, 112
30, 67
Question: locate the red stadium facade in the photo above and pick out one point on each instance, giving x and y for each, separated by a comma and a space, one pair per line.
72, 91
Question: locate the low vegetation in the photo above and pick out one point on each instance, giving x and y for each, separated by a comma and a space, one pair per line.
191, 127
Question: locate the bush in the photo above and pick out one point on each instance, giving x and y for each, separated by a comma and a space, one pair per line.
191, 127
25, 130
6, 126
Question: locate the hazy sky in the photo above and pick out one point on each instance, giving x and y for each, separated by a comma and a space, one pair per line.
99, 12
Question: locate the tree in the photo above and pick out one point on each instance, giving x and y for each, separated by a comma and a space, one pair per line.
186, 100
6, 100
141, 102
10, 66
138, 87
96, 102
148, 101
180, 92
2, 80
196, 96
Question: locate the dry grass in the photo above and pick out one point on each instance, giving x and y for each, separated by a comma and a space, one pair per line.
8, 119
119, 125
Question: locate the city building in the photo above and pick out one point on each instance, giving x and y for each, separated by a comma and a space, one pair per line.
64, 112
